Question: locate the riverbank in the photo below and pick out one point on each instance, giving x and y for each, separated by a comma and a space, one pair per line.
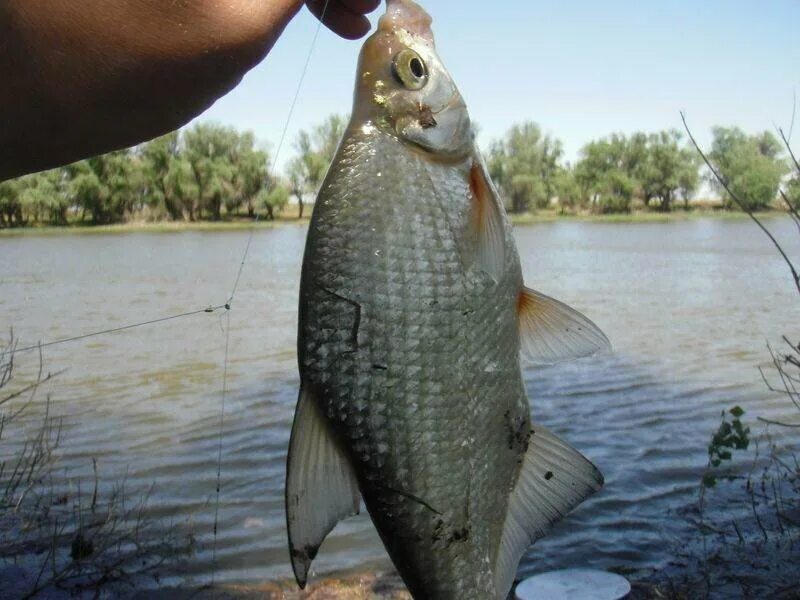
360, 586
363, 586
291, 219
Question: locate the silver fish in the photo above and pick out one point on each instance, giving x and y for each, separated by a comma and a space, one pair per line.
413, 317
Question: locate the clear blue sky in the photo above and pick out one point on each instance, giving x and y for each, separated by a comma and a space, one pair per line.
580, 69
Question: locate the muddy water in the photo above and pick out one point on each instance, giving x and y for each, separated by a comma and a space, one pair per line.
688, 305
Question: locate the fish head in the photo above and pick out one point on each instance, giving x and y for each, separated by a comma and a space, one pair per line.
404, 89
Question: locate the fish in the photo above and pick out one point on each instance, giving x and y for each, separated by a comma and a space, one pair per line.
413, 322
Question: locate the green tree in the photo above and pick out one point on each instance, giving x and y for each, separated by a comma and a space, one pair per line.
160, 158
209, 148
635, 153
525, 165
181, 190
328, 135
567, 189
603, 175
274, 198
105, 186
792, 191
689, 176
316, 150
665, 170
751, 165
10, 206
250, 175
43, 196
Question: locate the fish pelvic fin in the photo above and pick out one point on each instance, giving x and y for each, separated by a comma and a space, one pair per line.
552, 332
487, 220
321, 485
553, 480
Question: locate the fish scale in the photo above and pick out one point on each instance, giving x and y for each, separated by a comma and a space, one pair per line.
413, 317
423, 318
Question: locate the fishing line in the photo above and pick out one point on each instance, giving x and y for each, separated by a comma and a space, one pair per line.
229, 303
208, 309
282, 139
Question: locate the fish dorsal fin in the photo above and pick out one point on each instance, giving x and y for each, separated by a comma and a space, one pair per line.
551, 332
321, 486
553, 480
487, 221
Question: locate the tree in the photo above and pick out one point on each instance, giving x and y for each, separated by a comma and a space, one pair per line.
665, 170
159, 158
106, 186
567, 189
689, 176
250, 175
792, 191
328, 135
181, 191
603, 175
10, 206
525, 165
636, 154
43, 196
274, 198
750, 165
316, 150
210, 149
296, 173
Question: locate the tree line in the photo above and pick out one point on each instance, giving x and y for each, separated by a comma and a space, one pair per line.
657, 171
205, 172
212, 172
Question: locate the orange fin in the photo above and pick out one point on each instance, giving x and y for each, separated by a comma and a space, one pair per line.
551, 332
488, 223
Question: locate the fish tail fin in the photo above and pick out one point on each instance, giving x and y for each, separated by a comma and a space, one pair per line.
321, 486
553, 480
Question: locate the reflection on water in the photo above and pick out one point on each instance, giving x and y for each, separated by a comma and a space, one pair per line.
688, 306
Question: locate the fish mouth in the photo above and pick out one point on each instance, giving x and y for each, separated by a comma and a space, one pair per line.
408, 15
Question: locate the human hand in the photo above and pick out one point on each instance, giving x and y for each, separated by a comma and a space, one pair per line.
345, 17
83, 78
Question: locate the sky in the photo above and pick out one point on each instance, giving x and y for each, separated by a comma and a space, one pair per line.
580, 69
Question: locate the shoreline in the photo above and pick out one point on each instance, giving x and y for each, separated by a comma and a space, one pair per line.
348, 585
239, 224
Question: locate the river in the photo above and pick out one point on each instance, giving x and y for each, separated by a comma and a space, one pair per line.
688, 306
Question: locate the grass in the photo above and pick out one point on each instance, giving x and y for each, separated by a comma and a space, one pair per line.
290, 217
550, 216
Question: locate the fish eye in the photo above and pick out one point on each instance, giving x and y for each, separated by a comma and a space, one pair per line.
410, 70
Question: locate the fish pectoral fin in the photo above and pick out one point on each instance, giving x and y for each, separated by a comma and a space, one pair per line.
553, 480
551, 332
321, 486
487, 220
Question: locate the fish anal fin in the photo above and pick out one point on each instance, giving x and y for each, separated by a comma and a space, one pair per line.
321, 486
487, 222
553, 480
551, 332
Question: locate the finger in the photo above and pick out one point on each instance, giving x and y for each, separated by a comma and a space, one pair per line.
361, 7
340, 19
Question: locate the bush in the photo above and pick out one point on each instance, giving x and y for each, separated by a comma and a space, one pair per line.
77, 542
